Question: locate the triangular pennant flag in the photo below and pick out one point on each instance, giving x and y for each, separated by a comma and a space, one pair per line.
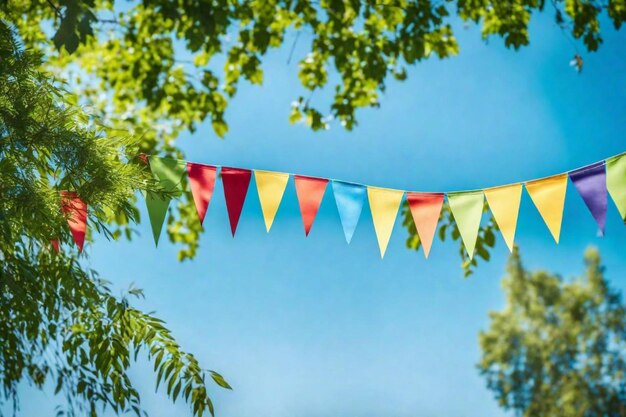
76, 211
271, 187
310, 191
616, 182
236, 182
467, 209
384, 204
349, 198
425, 209
548, 195
55, 245
168, 171
504, 203
590, 182
202, 183
157, 209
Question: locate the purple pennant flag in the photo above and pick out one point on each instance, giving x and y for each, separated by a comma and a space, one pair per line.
590, 181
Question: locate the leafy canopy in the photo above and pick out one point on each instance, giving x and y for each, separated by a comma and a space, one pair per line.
557, 348
59, 321
158, 67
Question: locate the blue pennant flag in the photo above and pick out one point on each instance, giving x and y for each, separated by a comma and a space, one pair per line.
349, 198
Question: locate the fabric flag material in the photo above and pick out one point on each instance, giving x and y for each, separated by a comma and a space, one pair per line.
271, 187
467, 209
548, 195
76, 211
169, 172
310, 191
202, 183
590, 182
349, 198
504, 203
616, 182
157, 209
384, 204
236, 182
425, 209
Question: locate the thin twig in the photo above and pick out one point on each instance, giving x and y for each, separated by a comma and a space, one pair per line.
56, 8
293, 47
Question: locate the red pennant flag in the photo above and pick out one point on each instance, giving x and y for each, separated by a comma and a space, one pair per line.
76, 211
55, 245
202, 183
236, 182
425, 209
310, 192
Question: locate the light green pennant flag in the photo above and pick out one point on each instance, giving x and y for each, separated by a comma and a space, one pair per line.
467, 209
169, 172
616, 182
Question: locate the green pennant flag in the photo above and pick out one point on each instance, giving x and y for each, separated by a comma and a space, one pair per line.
169, 172
157, 209
467, 209
616, 182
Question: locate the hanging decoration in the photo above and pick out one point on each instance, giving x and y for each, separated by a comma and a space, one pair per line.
548, 194
384, 204
594, 183
591, 185
467, 209
425, 210
504, 204
169, 172
202, 183
76, 211
349, 198
271, 187
615, 177
236, 182
310, 191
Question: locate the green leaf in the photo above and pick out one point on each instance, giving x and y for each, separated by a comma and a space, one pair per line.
219, 380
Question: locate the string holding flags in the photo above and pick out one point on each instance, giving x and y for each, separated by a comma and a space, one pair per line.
594, 183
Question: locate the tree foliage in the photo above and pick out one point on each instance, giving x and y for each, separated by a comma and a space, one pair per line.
59, 321
156, 67
557, 348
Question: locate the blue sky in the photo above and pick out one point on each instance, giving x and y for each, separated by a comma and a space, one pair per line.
313, 327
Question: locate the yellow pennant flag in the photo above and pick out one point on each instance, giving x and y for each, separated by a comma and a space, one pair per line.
548, 194
384, 204
271, 187
504, 203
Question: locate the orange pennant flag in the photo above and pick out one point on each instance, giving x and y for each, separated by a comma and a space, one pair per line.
76, 211
425, 209
548, 194
310, 192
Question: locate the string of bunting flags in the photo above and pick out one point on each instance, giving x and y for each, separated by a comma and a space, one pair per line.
594, 184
